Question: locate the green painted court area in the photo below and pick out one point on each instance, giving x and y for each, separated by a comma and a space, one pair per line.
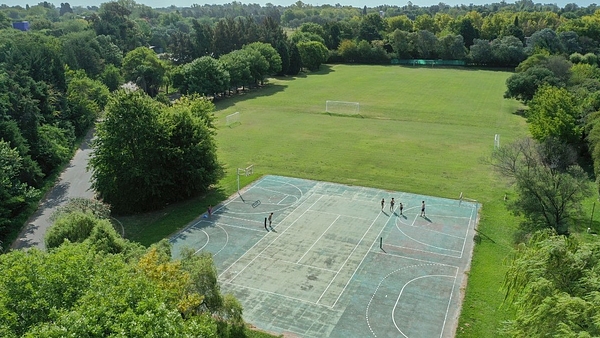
335, 264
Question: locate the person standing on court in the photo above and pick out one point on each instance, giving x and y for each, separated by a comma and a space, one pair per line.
401, 207
209, 210
382, 203
270, 220
392, 202
423, 209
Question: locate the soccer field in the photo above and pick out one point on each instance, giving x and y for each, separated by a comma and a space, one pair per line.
420, 130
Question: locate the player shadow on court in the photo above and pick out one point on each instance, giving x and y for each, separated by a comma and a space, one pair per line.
385, 213
427, 219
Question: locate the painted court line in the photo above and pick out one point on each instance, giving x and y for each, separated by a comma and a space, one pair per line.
431, 230
425, 251
239, 227
268, 246
381, 282
332, 213
295, 263
241, 219
226, 240
407, 257
324, 232
205, 244
400, 295
276, 294
467, 233
363, 259
260, 240
449, 302
429, 245
347, 258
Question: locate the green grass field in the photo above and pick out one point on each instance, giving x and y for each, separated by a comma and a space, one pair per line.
420, 130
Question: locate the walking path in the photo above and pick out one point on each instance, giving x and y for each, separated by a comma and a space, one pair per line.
75, 181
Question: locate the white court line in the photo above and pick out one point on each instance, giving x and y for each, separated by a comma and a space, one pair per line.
241, 219
414, 259
274, 240
205, 244
306, 265
324, 232
260, 240
347, 258
400, 295
276, 192
429, 245
226, 240
381, 282
266, 237
331, 213
462, 252
425, 251
239, 227
449, 301
276, 294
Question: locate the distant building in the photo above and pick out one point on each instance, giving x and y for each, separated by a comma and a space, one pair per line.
22, 25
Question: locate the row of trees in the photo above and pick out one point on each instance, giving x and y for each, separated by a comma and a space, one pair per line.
94, 283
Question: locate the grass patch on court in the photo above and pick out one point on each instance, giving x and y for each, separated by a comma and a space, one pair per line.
422, 131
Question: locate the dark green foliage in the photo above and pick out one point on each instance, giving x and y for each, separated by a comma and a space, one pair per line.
549, 183
553, 284
111, 77
75, 227
14, 194
522, 86
147, 155
295, 62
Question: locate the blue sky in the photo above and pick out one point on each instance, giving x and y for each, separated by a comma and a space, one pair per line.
355, 3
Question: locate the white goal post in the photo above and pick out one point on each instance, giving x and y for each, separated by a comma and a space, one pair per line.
342, 107
232, 118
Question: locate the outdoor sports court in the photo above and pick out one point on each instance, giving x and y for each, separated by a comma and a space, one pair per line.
322, 271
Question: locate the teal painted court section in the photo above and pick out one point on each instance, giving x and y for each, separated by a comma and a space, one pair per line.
320, 271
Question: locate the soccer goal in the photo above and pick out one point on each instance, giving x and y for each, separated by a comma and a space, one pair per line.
342, 107
232, 119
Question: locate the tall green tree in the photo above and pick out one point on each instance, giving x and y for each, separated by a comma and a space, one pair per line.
270, 54
312, 54
554, 113
205, 76
126, 165
147, 155
143, 67
553, 285
549, 183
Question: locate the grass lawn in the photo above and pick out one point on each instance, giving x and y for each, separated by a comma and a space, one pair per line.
420, 130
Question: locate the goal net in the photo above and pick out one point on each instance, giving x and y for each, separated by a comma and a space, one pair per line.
342, 107
232, 119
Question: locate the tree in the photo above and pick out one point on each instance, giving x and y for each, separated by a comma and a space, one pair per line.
146, 155
270, 54
452, 47
553, 285
522, 86
236, 63
86, 98
295, 62
549, 184
554, 113
143, 67
14, 194
370, 27
205, 76
127, 159
312, 54
545, 39
401, 43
